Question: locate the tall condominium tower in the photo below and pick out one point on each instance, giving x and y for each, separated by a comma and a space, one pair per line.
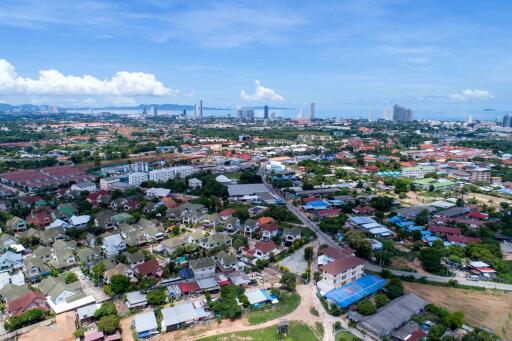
402, 114
507, 120
199, 109
265, 112
312, 111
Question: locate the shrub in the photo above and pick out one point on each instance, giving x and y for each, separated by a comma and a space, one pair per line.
381, 300
108, 324
366, 307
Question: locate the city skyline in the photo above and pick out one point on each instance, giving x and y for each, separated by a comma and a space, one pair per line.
348, 56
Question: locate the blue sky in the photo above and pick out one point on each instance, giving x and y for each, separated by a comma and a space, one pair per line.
343, 55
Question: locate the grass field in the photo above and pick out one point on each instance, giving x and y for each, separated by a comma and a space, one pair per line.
481, 308
287, 304
296, 331
345, 336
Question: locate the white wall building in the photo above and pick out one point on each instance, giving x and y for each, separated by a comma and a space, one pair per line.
137, 178
165, 174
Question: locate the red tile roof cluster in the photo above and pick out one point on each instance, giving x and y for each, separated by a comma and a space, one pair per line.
45, 177
227, 212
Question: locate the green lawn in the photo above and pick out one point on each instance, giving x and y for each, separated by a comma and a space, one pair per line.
345, 336
296, 331
287, 304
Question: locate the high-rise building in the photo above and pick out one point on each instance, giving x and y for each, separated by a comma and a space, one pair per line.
370, 115
273, 116
470, 119
388, 114
199, 109
402, 114
239, 114
248, 115
184, 113
507, 120
265, 112
312, 111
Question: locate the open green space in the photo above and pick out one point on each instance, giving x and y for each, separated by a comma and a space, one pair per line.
345, 336
296, 331
287, 304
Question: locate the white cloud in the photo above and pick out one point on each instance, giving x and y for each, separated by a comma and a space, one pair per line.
468, 95
53, 82
261, 94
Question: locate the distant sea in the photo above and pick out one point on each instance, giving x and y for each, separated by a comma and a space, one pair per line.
486, 114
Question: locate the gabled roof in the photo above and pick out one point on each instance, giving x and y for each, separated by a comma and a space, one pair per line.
342, 264
201, 263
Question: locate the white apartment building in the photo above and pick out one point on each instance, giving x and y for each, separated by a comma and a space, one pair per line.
164, 174
137, 178
417, 171
342, 271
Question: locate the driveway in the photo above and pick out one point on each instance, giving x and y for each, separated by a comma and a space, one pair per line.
295, 262
89, 287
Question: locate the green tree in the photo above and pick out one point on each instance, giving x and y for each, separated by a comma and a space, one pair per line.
394, 288
119, 284
431, 259
288, 281
308, 253
366, 307
107, 308
381, 300
71, 277
156, 297
108, 324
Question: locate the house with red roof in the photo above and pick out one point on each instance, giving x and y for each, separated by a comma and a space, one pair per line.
463, 239
151, 268
327, 213
445, 230
478, 215
40, 216
261, 250
365, 210
30, 300
268, 231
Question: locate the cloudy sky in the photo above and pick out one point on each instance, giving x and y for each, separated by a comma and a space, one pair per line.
344, 55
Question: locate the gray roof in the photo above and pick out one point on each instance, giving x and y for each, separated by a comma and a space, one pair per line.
394, 315
454, 211
246, 189
145, 321
414, 210
207, 283
201, 263
183, 312
135, 297
87, 311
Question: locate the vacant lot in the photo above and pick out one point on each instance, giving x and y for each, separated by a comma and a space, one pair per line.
62, 330
490, 309
296, 331
287, 304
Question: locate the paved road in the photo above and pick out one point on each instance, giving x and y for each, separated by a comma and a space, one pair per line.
326, 239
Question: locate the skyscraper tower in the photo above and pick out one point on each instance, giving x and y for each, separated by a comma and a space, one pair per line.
265, 112
402, 114
199, 109
388, 114
370, 115
312, 111
507, 121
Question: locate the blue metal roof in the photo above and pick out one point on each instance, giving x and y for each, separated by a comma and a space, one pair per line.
351, 293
